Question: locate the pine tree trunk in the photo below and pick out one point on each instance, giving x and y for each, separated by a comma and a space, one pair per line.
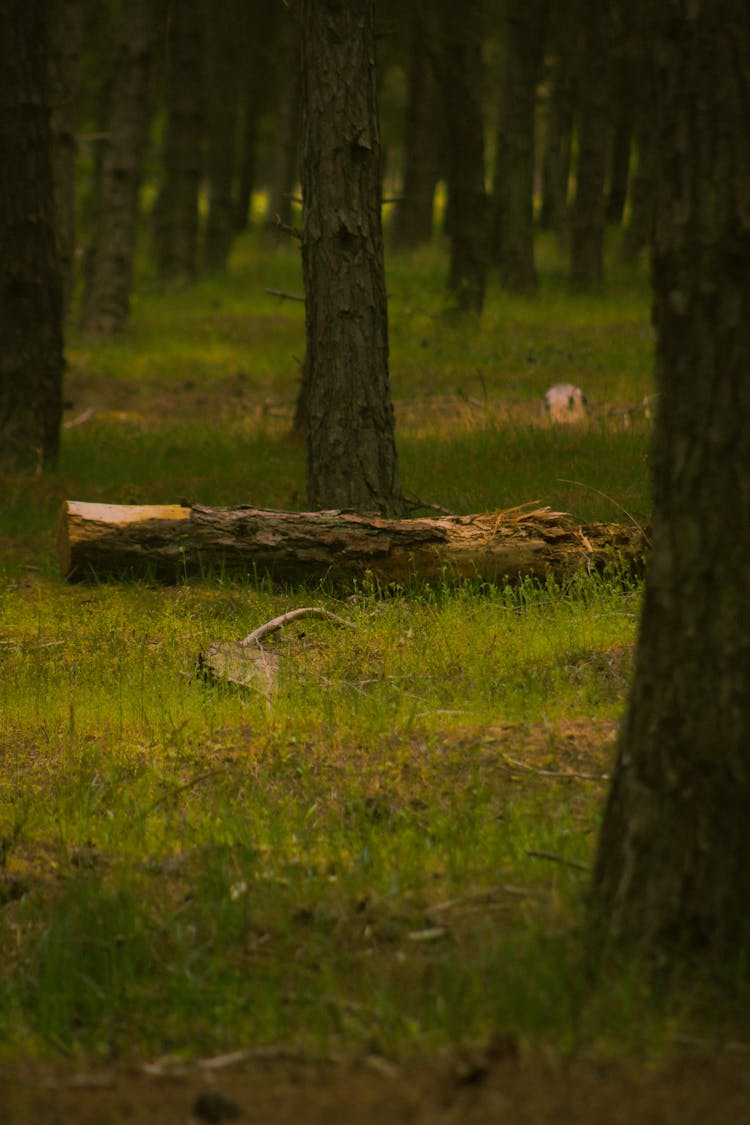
176, 211
284, 167
110, 265
513, 188
639, 229
31, 347
594, 108
673, 864
66, 34
461, 85
351, 451
422, 135
559, 125
226, 34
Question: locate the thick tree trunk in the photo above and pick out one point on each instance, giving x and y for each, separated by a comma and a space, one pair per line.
461, 84
31, 347
513, 188
176, 211
349, 424
110, 265
301, 547
422, 139
594, 107
673, 864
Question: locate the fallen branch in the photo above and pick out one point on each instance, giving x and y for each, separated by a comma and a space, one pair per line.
170, 542
574, 774
272, 626
246, 663
285, 296
574, 863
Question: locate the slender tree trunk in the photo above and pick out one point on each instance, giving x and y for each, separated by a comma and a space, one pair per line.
673, 864
513, 189
422, 135
587, 250
559, 124
351, 451
284, 169
225, 41
110, 265
624, 101
461, 84
66, 34
262, 32
31, 347
640, 225
176, 211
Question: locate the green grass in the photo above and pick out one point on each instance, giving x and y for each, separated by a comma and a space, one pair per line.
341, 862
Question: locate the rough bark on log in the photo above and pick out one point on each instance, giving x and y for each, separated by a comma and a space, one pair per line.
171, 542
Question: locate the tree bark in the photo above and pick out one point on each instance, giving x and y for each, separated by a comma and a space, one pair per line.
637, 235
673, 863
559, 123
513, 187
66, 35
110, 265
594, 107
413, 218
461, 84
31, 344
349, 423
170, 542
176, 210
261, 64
226, 34
285, 159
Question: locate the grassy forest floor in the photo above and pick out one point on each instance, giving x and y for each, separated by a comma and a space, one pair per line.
369, 878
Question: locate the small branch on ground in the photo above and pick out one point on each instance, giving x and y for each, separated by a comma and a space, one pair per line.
555, 773
285, 296
534, 854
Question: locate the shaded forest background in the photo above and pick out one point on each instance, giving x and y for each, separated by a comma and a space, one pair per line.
169, 118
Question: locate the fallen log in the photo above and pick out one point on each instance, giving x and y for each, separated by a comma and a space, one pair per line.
170, 542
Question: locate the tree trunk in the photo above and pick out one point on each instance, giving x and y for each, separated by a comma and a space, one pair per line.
639, 229
412, 224
513, 188
593, 141
262, 61
110, 265
559, 124
31, 346
65, 35
302, 547
461, 84
225, 43
284, 167
176, 211
673, 864
351, 450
